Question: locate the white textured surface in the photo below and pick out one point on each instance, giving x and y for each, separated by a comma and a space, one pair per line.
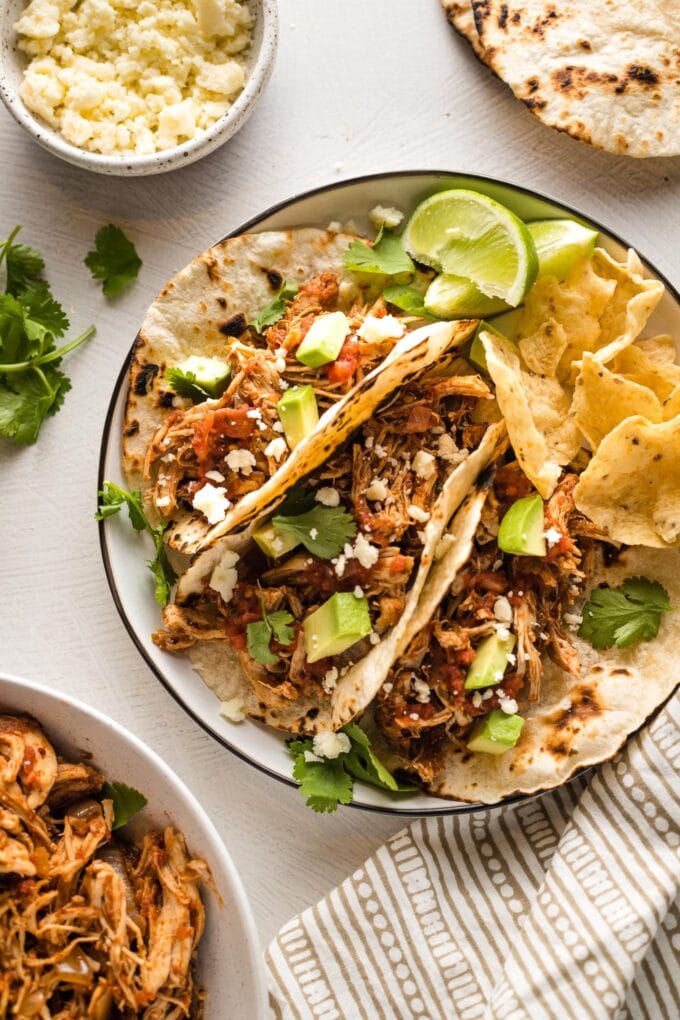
359, 87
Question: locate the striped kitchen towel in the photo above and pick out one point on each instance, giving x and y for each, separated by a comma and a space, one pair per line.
561, 908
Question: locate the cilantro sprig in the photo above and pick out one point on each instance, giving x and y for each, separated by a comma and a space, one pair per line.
259, 635
276, 308
323, 530
625, 615
386, 255
113, 499
32, 385
408, 298
186, 385
326, 783
127, 802
114, 260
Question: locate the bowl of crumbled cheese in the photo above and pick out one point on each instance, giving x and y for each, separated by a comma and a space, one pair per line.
134, 87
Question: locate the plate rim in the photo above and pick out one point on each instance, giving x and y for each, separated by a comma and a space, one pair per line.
448, 808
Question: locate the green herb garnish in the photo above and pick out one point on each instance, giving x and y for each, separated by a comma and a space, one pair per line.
409, 299
329, 782
323, 530
276, 309
127, 802
185, 384
113, 499
114, 260
259, 635
32, 385
386, 255
622, 616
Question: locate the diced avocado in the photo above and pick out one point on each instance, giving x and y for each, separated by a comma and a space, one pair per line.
211, 374
521, 530
324, 340
495, 733
298, 412
336, 625
273, 542
490, 661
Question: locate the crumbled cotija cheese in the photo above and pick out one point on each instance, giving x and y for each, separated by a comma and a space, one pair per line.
122, 77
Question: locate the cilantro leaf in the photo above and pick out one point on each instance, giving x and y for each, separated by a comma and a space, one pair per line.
127, 802
298, 501
114, 260
42, 307
330, 782
259, 635
276, 309
386, 255
409, 299
625, 615
113, 498
184, 383
323, 784
24, 264
31, 384
323, 530
161, 568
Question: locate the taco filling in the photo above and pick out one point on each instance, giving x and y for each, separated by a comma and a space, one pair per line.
328, 575
485, 642
206, 457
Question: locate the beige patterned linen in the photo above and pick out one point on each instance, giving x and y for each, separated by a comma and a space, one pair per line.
560, 908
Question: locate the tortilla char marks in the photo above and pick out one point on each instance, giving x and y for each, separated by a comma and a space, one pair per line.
236, 325
566, 723
143, 380
539, 26
481, 10
639, 75
165, 398
212, 265
574, 78
131, 429
274, 278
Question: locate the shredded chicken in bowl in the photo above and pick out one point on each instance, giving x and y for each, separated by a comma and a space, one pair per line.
91, 926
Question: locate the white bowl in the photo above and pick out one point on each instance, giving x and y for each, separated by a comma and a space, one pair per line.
260, 66
230, 967
125, 553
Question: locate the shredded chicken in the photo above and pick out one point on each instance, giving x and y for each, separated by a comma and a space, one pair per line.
424, 701
388, 476
90, 927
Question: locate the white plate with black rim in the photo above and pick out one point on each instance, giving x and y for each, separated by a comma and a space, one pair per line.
124, 560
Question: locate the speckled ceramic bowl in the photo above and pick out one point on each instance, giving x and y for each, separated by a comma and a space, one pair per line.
229, 962
260, 65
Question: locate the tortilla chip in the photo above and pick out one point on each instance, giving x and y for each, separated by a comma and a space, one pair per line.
576, 304
661, 349
602, 399
631, 488
543, 349
642, 365
602, 307
671, 407
536, 411
631, 304
580, 720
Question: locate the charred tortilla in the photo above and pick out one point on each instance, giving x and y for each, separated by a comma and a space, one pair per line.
606, 74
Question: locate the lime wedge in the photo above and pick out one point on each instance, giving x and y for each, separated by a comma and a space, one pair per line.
560, 244
465, 234
453, 297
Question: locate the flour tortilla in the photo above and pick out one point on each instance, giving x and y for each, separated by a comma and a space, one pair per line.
604, 73
584, 720
219, 666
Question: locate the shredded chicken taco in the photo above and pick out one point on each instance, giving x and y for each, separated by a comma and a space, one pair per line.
299, 617
247, 363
